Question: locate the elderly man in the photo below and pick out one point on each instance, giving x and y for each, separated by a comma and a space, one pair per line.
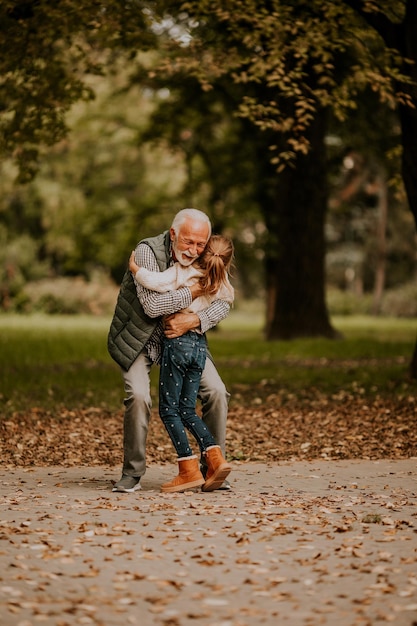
134, 340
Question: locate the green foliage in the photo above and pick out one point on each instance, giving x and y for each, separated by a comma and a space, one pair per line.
289, 57
275, 66
110, 189
221, 154
96, 193
48, 50
103, 188
292, 58
19, 262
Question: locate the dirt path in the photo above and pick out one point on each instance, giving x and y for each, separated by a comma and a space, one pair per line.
300, 543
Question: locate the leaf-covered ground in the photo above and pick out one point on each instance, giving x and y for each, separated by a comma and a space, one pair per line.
275, 427
301, 543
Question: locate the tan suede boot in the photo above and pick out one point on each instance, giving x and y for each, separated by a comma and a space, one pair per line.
189, 476
217, 469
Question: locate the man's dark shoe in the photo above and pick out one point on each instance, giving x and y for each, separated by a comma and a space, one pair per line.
127, 484
225, 486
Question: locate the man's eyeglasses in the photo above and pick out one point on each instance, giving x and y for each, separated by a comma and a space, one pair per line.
189, 243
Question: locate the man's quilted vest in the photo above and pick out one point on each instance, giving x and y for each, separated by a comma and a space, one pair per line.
131, 327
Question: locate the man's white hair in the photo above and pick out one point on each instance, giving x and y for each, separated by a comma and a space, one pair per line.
192, 214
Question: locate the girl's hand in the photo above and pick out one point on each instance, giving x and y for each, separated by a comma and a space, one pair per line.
196, 290
133, 266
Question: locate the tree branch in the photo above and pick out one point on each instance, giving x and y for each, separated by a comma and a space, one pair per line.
390, 32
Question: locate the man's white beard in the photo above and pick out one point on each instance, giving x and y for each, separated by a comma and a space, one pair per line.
182, 257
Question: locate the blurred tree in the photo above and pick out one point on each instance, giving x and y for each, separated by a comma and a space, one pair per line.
112, 189
97, 192
219, 151
364, 169
396, 23
48, 48
297, 63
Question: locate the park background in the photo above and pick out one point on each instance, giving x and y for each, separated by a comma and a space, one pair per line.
292, 125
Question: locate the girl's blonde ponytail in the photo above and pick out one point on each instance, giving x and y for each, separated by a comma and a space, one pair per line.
216, 261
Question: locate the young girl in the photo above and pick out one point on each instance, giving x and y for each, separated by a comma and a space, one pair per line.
183, 360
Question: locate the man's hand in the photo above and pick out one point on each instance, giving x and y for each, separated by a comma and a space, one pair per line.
178, 324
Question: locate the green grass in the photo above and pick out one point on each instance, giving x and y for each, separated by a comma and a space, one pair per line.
54, 361
50, 361
372, 356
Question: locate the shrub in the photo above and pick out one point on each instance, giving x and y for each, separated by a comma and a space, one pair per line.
348, 303
68, 296
401, 301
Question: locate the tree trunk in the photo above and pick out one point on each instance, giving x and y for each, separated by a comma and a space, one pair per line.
408, 119
295, 206
381, 252
408, 114
413, 363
